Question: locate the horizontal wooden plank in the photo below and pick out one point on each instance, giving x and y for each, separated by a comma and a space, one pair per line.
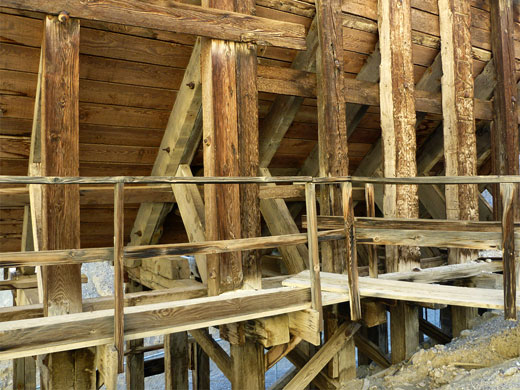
89, 195
177, 17
60, 333
77, 256
405, 291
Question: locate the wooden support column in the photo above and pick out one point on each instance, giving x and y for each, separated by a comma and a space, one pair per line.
230, 142
135, 361
332, 125
398, 120
460, 144
60, 203
504, 134
176, 361
508, 194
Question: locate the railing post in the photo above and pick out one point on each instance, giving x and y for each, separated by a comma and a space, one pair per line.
373, 261
350, 248
507, 192
119, 292
314, 252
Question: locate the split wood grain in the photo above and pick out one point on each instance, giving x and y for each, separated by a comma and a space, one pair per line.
177, 17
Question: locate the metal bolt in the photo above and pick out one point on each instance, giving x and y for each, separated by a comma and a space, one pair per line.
63, 16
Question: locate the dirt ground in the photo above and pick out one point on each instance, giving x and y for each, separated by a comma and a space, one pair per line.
484, 357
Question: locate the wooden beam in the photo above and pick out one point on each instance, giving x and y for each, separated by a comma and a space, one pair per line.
504, 134
460, 144
79, 256
351, 253
433, 332
373, 257
398, 135
278, 352
322, 357
81, 330
332, 126
176, 361
214, 351
119, 283
322, 381
508, 193
398, 121
314, 251
371, 350
60, 205
178, 143
107, 364
177, 17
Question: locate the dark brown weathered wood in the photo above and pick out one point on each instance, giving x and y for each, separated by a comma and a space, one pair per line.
119, 283
508, 194
248, 149
351, 252
314, 251
504, 134
433, 332
332, 125
177, 17
373, 259
213, 350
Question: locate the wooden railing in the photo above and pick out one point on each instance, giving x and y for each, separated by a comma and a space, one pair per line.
504, 235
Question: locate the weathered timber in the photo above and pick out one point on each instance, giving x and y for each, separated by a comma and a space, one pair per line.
214, 351
405, 291
371, 350
398, 121
176, 361
278, 352
119, 283
322, 357
332, 125
504, 134
350, 251
179, 140
177, 17
185, 289
433, 332
77, 256
44, 335
373, 258
314, 251
508, 194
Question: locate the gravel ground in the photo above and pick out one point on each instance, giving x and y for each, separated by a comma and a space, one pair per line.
484, 357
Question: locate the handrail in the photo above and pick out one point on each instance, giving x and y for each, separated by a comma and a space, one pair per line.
418, 180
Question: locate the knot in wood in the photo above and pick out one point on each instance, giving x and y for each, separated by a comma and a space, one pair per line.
63, 16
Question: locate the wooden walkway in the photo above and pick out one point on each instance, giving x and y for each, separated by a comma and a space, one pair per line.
335, 288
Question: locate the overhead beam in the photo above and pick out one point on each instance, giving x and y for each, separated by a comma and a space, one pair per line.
176, 17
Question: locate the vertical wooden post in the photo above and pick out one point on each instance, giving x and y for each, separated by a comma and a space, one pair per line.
176, 361
504, 135
230, 138
314, 251
397, 104
508, 194
373, 261
135, 361
332, 125
119, 284
230, 106
460, 145
60, 203
351, 252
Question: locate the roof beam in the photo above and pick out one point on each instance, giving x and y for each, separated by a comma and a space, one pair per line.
177, 17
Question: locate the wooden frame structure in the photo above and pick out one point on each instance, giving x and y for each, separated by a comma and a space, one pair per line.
307, 302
